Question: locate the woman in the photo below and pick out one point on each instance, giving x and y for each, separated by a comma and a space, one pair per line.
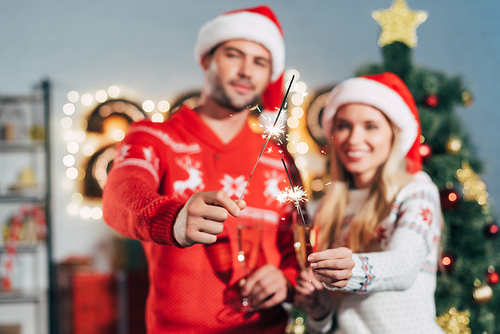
382, 207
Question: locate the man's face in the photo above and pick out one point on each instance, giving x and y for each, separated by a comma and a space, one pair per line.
238, 72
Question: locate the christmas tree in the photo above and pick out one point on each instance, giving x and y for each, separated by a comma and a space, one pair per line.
467, 293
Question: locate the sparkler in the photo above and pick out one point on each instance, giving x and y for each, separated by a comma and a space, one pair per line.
297, 195
271, 130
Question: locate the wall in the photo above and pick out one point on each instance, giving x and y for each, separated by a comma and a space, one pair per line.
145, 48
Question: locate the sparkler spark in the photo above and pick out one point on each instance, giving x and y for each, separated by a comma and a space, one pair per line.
295, 195
276, 131
283, 104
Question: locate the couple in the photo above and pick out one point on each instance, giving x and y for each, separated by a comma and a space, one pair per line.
175, 186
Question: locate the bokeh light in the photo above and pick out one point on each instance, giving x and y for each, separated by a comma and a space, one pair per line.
113, 91
73, 96
148, 106
87, 99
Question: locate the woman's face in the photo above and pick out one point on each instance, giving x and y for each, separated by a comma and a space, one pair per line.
362, 137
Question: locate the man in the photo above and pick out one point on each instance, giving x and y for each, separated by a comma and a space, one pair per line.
175, 186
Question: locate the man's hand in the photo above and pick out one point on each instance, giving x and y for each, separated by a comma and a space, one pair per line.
332, 266
311, 297
266, 287
202, 217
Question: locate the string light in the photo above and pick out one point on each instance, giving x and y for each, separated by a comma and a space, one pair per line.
157, 118
96, 213
72, 209
163, 106
75, 138
297, 112
113, 91
101, 96
87, 99
69, 108
80, 136
68, 160
72, 147
66, 122
292, 122
88, 150
297, 99
73, 96
302, 147
148, 106
85, 212
118, 134
77, 198
71, 173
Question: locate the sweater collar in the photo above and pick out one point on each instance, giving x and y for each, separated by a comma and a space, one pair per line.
193, 123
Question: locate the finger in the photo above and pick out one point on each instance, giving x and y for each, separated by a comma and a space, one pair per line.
201, 238
305, 275
310, 283
269, 286
255, 277
333, 263
305, 290
220, 198
335, 253
308, 276
315, 283
215, 213
273, 301
211, 227
333, 276
241, 203
199, 226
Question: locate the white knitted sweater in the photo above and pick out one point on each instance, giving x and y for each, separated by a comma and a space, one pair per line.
392, 291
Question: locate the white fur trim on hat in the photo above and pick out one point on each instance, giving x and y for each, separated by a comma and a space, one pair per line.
243, 25
378, 95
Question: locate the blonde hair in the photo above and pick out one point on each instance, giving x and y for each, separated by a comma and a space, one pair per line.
389, 179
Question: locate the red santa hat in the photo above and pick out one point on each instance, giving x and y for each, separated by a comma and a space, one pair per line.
258, 24
388, 93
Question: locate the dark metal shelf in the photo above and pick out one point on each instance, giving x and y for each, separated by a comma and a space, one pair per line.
32, 146
22, 199
24, 249
17, 297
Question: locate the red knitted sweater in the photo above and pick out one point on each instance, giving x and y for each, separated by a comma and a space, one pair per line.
158, 166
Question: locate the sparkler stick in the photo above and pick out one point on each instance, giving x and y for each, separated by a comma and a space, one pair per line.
297, 204
268, 138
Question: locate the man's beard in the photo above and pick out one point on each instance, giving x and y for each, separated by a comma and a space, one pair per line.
219, 95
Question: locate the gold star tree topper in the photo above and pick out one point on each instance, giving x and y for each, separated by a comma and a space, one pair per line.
399, 23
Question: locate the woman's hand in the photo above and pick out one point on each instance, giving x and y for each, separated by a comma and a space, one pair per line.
311, 297
332, 266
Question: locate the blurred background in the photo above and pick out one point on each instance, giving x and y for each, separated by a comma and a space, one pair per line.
67, 66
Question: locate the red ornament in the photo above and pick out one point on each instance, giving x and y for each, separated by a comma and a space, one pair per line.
448, 262
450, 199
425, 151
431, 100
492, 278
491, 230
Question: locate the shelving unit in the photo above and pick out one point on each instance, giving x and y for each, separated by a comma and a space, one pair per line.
25, 183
